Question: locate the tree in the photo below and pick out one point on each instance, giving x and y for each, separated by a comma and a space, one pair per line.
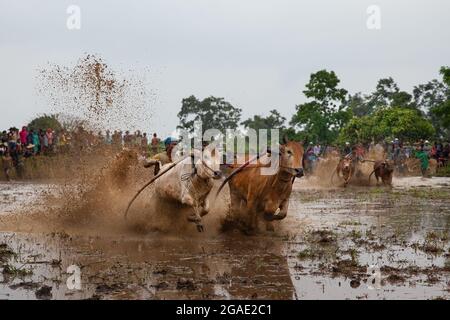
441, 111
327, 112
357, 130
44, 122
428, 97
388, 123
214, 113
359, 105
274, 121
387, 93
402, 123
384, 92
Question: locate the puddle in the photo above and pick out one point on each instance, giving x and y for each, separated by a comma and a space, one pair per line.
322, 250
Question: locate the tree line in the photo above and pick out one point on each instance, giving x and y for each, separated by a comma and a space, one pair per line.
332, 115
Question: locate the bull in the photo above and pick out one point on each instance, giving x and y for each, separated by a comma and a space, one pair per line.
384, 170
190, 182
345, 169
254, 195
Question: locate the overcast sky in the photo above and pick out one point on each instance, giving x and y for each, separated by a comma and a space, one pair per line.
257, 54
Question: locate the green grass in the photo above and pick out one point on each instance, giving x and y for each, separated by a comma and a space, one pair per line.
443, 172
17, 272
350, 223
355, 234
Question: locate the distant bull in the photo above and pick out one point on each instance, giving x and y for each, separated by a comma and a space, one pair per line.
384, 170
345, 169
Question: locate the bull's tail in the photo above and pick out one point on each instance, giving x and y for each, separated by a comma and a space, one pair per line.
147, 184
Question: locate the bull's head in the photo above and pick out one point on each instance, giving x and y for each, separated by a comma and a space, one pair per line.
208, 166
291, 156
347, 167
388, 165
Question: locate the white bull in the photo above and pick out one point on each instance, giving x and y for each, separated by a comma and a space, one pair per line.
190, 182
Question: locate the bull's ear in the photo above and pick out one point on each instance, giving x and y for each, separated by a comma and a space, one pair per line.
285, 139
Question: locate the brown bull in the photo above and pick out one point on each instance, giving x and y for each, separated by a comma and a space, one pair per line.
254, 194
346, 167
384, 170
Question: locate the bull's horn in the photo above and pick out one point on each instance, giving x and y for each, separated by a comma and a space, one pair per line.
235, 172
149, 183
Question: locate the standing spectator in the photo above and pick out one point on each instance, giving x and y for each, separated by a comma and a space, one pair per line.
4, 137
3, 149
44, 142
30, 137
23, 136
137, 139
7, 163
116, 139
433, 151
422, 155
144, 143
127, 139
35, 141
108, 139
49, 135
317, 149
155, 144
41, 142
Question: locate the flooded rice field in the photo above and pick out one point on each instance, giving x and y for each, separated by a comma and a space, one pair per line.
336, 243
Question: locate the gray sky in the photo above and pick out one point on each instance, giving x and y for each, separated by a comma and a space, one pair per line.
258, 54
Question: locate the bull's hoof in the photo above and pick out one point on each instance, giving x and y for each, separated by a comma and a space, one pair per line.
200, 228
194, 218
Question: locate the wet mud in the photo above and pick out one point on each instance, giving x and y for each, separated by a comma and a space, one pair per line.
336, 243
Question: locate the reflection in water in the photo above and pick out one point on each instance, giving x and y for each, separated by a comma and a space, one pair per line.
322, 250
153, 267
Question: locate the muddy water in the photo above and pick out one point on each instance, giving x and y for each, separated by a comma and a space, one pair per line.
325, 249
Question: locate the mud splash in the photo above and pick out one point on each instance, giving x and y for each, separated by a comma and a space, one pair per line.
322, 250
94, 94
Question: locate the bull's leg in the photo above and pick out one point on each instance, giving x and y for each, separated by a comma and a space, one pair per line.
378, 178
204, 208
194, 217
252, 224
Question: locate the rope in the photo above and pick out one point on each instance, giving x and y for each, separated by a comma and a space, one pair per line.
148, 183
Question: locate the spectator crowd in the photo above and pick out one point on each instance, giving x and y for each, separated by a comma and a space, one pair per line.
17, 145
